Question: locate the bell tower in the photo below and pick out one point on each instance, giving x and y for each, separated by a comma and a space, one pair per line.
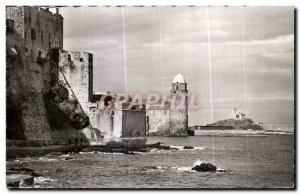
179, 107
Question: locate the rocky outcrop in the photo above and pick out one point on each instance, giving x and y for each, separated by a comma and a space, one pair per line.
188, 147
244, 124
205, 167
20, 177
64, 113
19, 180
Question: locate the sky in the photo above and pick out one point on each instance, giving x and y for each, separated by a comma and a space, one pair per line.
230, 57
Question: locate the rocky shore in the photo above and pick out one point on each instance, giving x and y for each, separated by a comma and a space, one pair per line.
24, 177
20, 177
14, 152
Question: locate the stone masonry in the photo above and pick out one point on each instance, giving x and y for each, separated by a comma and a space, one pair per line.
78, 71
40, 29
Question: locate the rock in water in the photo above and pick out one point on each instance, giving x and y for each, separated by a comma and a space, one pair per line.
19, 180
188, 147
69, 158
205, 167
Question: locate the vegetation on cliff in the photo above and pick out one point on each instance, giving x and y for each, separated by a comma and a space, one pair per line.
64, 113
244, 124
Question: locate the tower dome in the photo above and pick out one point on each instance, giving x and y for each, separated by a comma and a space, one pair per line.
178, 79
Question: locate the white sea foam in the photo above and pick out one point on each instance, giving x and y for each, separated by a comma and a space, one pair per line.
66, 155
183, 169
177, 147
45, 159
198, 162
154, 168
221, 170
155, 150
40, 180
140, 153
87, 152
113, 153
189, 168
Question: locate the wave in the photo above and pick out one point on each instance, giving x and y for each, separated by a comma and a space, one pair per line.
197, 163
155, 150
66, 155
28, 159
114, 153
45, 159
139, 153
189, 169
83, 153
111, 153
183, 169
154, 168
40, 180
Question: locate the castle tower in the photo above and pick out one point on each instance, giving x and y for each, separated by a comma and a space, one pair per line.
40, 28
179, 107
78, 70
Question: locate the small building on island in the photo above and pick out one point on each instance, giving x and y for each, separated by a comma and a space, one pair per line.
238, 115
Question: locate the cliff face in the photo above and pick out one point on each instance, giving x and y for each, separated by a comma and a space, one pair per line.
238, 124
36, 103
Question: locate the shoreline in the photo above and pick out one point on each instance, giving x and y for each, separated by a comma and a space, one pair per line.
240, 133
13, 152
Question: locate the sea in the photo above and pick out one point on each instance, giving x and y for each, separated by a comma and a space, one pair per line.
249, 162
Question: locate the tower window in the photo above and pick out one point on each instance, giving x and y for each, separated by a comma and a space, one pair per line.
31, 52
81, 59
69, 57
42, 36
49, 40
33, 34
176, 87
